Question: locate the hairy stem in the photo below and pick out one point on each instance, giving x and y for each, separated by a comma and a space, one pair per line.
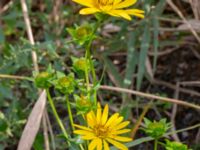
56, 115
89, 57
70, 113
156, 144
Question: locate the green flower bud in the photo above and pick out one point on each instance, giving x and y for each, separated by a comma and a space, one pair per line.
83, 104
81, 34
173, 145
83, 31
81, 64
156, 129
66, 84
42, 80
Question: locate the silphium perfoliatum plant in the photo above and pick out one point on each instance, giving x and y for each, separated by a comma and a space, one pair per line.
81, 34
83, 104
174, 145
156, 129
64, 83
43, 79
80, 66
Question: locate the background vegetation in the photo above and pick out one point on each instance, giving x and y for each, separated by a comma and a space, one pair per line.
158, 55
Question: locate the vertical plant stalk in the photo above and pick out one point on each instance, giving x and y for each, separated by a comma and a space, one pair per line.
70, 113
71, 118
88, 57
156, 144
56, 116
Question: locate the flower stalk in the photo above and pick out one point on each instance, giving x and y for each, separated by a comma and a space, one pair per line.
70, 113
57, 116
156, 144
89, 57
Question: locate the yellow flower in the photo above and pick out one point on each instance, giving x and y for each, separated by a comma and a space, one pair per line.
102, 130
111, 7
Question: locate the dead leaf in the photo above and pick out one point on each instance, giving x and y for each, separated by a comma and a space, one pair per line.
194, 23
33, 124
108, 29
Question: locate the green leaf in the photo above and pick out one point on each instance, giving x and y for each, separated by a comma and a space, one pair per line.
143, 55
2, 38
135, 142
113, 70
131, 60
39, 142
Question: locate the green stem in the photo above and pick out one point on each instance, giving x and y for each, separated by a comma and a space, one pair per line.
70, 113
156, 144
56, 116
71, 118
87, 79
88, 57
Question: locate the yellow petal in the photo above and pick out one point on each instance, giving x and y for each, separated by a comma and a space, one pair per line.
88, 137
106, 146
117, 121
91, 119
82, 132
82, 127
121, 131
105, 114
116, 2
106, 8
93, 144
122, 125
87, 11
124, 4
88, 3
98, 113
117, 144
119, 13
136, 12
111, 119
122, 139
99, 146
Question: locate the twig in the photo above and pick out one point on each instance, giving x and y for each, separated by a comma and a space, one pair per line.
173, 116
14, 77
169, 20
30, 33
44, 123
194, 51
50, 131
6, 7
190, 83
150, 96
171, 86
197, 139
175, 8
185, 129
167, 51
195, 4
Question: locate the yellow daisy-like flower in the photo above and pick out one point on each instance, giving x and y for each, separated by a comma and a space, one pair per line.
102, 130
112, 7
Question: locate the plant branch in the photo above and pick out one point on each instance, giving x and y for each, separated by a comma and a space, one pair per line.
150, 96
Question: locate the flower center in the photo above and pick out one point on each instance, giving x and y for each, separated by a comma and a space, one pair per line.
105, 5
101, 131
105, 2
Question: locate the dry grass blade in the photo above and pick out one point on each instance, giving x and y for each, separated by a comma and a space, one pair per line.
139, 121
33, 124
175, 8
